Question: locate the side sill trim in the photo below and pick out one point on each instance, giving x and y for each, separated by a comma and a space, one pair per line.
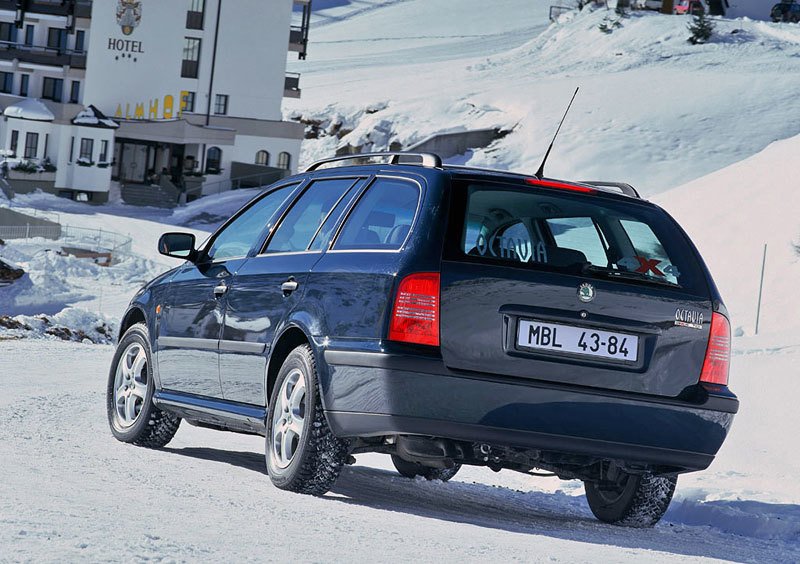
242, 347
212, 409
188, 343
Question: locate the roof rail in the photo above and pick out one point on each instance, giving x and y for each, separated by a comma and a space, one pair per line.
626, 189
428, 160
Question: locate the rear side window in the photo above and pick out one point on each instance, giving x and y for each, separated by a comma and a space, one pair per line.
382, 218
307, 215
582, 235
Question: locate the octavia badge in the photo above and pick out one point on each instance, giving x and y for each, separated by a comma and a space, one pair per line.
586, 292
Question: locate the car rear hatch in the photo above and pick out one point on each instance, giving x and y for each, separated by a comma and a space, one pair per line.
565, 284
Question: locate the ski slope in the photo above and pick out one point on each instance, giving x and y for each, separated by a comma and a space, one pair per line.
653, 109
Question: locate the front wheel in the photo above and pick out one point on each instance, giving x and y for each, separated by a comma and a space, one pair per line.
132, 416
303, 455
414, 469
638, 501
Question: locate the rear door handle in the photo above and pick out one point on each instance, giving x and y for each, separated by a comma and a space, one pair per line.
289, 286
220, 290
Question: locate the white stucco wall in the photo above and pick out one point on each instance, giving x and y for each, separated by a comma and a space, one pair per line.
753, 9
146, 72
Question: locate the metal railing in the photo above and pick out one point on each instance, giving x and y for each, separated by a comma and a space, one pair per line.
242, 182
95, 239
557, 11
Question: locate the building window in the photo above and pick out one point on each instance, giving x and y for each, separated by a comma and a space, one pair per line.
75, 92
87, 149
14, 142
29, 35
31, 145
71, 149
57, 39
6, 82
191, 58
24, 82
262, 158
214, 160
221, 105
53, 89
103, 152
194, 17
80, 41
8, 32
285, 160
188, 102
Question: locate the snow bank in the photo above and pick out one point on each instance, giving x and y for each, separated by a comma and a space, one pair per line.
731, 214
70, 324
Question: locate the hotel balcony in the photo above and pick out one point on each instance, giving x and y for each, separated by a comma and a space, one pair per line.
291, 87
41, 55
298, 34
83, 8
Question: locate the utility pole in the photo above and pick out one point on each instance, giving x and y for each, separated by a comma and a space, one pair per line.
667, 7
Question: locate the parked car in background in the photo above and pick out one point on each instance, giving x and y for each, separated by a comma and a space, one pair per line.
786, 12
690, 7
444, 316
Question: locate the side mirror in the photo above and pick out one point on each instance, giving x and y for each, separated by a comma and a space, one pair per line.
178, 245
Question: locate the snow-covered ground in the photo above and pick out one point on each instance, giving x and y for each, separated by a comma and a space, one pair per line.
69, 491
653, 110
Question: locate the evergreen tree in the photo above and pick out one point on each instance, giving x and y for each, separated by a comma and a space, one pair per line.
702, 29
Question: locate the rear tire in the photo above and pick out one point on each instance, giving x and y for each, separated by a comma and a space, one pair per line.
132, 416
639, 502
414, 469
303, 455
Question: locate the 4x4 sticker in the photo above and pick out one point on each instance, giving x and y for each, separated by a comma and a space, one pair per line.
688, 318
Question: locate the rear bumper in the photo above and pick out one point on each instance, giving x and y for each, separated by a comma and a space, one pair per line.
375, 394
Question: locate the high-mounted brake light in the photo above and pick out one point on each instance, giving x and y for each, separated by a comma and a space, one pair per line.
415, 317
561, 185
718, 354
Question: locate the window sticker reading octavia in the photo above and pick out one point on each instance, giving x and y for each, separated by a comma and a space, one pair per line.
514, 248
129, 15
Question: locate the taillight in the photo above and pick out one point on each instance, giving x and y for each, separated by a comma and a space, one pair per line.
561, 185
718, 353
415, 317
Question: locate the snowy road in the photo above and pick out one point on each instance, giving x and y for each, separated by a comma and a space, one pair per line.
69, 491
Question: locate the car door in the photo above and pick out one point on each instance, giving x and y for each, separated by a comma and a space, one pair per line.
192, 315
268, 286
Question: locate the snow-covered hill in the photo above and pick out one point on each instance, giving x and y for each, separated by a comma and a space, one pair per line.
653, 109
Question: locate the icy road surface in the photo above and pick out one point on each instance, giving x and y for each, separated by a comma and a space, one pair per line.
69, 491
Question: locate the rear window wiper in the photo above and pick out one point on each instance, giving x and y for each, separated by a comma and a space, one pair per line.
627, 275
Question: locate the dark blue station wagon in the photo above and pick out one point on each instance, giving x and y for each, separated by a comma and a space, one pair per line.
444, 316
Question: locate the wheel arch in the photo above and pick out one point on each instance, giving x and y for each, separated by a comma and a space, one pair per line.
133, 316
290, 338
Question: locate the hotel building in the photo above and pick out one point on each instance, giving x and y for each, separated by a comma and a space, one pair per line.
163, 100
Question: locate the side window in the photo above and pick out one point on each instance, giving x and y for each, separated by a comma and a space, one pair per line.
309, 212
580, 234
238, 237
382, 218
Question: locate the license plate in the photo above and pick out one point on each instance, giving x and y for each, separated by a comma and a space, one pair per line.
577, 340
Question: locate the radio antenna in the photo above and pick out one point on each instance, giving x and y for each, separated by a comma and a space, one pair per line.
540, 172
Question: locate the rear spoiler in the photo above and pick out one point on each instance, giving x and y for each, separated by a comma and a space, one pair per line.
626, 189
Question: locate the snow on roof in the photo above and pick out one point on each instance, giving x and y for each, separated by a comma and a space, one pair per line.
29, 108
92, 117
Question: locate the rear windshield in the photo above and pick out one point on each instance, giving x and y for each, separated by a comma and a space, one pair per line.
584, 235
